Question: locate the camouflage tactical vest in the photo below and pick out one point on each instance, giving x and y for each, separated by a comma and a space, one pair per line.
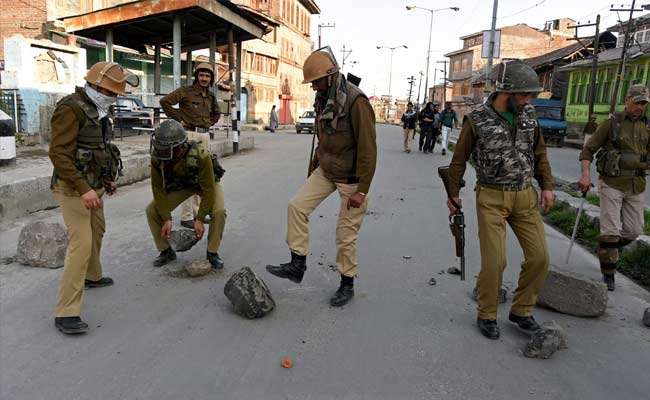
504, 155
337, 148
187, 174
96, 157
612, 161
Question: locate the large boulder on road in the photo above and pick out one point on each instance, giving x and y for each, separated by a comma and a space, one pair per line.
250, 296
573, 294
198, 268
42, 244
183, 239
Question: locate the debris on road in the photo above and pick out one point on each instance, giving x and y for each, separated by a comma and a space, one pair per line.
287, 363
42, 244
250, 296
442, 272
573, 294
503, 295
406, 257
453, 271
546, 341
198, 268
646, 317
183, 239
432, 282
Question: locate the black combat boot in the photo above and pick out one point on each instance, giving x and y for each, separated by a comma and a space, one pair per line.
165, 257
293, 270
609, 281
215, 261
527, 324
344, 293
105, 281
70, 325
488, 328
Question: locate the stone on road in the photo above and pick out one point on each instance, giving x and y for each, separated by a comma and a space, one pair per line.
198, 268
42, 244
646, 317
183, 239
573, 294
546, 341
250, 296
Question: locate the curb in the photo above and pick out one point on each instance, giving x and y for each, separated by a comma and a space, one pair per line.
21, 198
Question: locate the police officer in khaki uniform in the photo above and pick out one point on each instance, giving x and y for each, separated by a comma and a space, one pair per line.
197, 111
180, 169
345, 161
86, 165
504, 140
622, 163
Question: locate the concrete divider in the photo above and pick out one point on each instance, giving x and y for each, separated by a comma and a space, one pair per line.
30, 194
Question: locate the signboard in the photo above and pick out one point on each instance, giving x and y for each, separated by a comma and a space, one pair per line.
485, 51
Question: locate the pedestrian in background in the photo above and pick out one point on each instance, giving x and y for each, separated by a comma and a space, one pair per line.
273, 120
408, 123
448, 119
426, 125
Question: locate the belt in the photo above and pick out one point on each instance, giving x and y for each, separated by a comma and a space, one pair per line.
506, 187
633, 172
201, 130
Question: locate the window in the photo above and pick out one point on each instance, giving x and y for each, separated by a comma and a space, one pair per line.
456, 66
464, 65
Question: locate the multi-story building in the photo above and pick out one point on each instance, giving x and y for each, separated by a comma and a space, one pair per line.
517, 41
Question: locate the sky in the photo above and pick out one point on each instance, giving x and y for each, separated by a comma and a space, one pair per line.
362, 25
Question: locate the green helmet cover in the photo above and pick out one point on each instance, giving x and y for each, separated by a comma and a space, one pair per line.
517, 77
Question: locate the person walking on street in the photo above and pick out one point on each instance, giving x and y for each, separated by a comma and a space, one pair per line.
86, 165
432, 135
504, 140
448, 120
427, 117
621, 145
345, 160
197, 111
273, 120
408, 123
180, 169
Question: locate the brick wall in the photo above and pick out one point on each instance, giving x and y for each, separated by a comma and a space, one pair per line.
25, 18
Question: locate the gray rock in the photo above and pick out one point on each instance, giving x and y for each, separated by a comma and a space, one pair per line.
573, 294
42, 244
646, 317
453, 271
198, 268
546, 341
183, 239
250, 296
503, 295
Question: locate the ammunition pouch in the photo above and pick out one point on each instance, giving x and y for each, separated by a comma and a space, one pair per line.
608, 162
99, 165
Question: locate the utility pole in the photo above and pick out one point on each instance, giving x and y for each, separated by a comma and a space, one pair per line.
621, 66
488, 79
444, 93
320, 26
417, 103
411, 82
594, 63
433, 95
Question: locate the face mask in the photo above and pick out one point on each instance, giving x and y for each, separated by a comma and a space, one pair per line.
101, 101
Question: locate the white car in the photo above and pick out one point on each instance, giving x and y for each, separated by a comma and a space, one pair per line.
306, 122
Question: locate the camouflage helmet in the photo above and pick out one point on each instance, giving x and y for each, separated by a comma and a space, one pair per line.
319, 64
169, 135
515, 76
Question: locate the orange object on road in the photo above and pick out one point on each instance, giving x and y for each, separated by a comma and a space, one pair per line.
286, 363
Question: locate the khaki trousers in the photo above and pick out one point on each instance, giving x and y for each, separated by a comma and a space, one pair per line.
190, 207
408, 138
494, 209
85, 232
311, 194
217, 218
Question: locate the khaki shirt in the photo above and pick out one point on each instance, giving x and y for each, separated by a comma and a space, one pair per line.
197, 106
633, 139
463, 152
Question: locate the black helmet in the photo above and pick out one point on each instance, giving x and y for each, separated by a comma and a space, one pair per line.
516, 77
169, 135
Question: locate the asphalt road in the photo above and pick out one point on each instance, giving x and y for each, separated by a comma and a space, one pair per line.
565, 165
157, 336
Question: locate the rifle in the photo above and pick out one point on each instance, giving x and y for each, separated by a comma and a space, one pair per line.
456, 221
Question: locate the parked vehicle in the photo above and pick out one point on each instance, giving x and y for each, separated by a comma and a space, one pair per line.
131, 113
306, 122
550, 114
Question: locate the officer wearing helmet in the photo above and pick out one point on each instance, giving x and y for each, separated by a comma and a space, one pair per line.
621, 145
345, 161
86, 165
197, 111
503, 139
181, 168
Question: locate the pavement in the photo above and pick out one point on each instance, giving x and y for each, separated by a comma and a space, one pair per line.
155, 335
25, 186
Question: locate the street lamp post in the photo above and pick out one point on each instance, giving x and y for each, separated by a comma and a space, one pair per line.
435, 70
320, 26
432, 11
390, 75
